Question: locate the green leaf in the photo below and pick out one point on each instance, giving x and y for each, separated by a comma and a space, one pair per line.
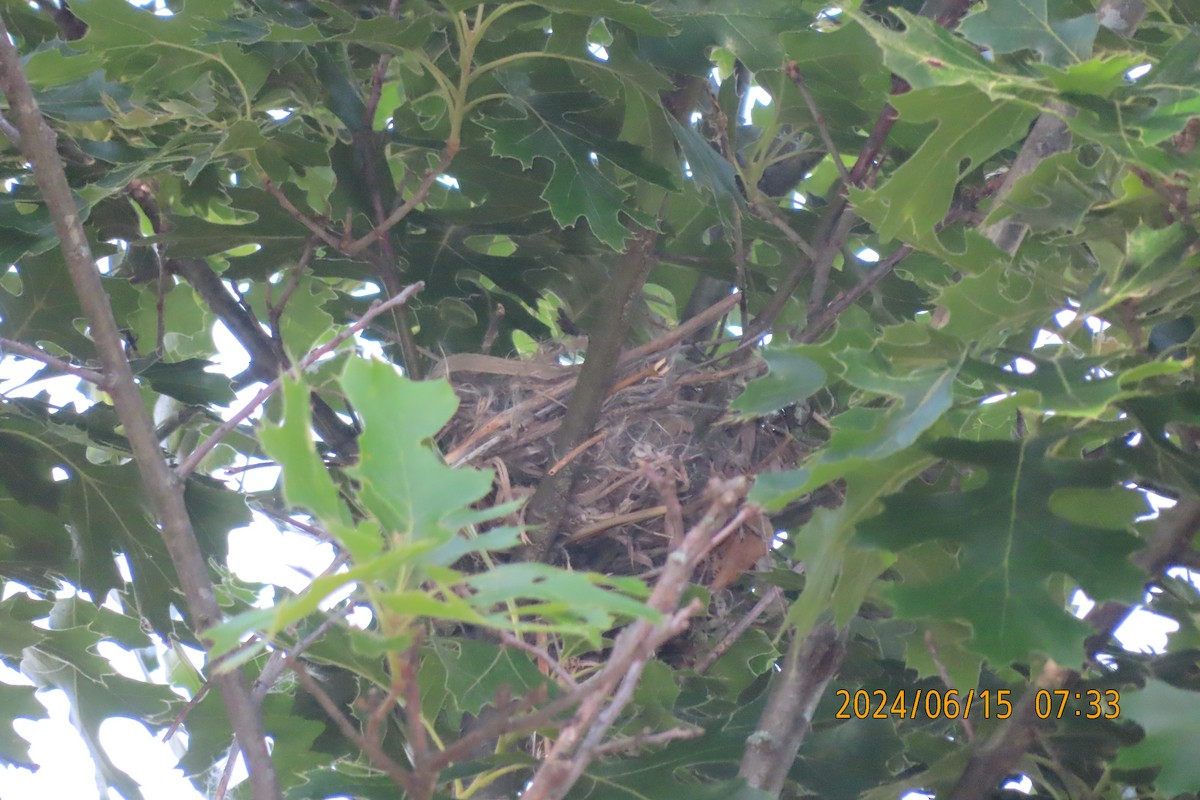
472, 672
306, 482
1148, 265
189, 381
1058, 194
970, 127
575, 601
791, 378
45, 307
1008, 552
927, 55
555, 127
1007, 27
1173, 91
842, 762
132, 40
1077, 387
1170, 718
824, 544
405, 485
711, 171
65, 659
923, 395
17, 702
750, 32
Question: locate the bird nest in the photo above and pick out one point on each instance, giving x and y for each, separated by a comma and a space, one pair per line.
663, 433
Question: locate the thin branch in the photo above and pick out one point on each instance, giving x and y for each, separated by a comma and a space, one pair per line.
163, 488
876, 138
314, 531
511, 717
379, 759
771, 215
681, 331
424, 775
54, 362
275, 310
648, 739
317, 229
577, 740
541, 655
162, 285
769, 597
793, 72
372, 104
944, 674
820, 323
266, 359
673, 511
193, 458
418, 197
176, 421
842, 219
383, 257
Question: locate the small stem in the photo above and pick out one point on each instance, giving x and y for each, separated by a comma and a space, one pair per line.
37, 354
431, 175
801, 85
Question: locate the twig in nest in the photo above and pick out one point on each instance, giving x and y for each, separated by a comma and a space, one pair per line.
673, 521
590, 530
576, 452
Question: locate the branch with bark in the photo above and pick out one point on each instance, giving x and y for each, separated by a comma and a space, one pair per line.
267, 358
549, 502
163, 488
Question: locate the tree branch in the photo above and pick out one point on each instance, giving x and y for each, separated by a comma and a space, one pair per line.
994, 760
37, 354
822, 321
194, 458
163, 488
810, 664
548, 505
10, 132
266, 361
1172, 537
579, 739
70, 26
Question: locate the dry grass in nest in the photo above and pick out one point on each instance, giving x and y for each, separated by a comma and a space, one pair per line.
663, 433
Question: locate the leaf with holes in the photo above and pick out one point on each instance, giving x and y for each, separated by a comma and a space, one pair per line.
1011, 543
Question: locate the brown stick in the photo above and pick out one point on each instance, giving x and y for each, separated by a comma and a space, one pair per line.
580, 737
38, 354
163, 488
990, 762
